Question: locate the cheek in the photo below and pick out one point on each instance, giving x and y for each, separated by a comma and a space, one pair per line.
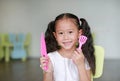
58, 38
74, 37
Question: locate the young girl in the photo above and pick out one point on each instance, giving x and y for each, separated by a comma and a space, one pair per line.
65, 62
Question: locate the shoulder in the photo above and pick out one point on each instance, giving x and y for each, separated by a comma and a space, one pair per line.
52, 54
53, 57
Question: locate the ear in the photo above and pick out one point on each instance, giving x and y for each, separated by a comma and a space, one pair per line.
80, 33
54, 34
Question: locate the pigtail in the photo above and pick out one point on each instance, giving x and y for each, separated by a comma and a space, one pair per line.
89, 54
51, 42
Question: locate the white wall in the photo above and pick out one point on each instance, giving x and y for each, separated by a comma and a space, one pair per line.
34, 15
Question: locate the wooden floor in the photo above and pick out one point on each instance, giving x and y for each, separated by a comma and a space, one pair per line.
16, 70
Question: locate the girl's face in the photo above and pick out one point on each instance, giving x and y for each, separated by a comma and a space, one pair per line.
67, 33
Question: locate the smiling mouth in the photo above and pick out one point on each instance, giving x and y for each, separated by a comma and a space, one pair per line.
67, 43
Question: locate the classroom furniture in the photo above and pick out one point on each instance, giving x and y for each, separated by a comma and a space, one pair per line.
6, 46
4, 43
99, 55
18, 51
1, 50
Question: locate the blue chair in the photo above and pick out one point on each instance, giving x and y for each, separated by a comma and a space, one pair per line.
18, 51
12, 37
21, 38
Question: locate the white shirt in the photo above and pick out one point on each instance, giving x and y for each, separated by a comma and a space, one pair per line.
64, 69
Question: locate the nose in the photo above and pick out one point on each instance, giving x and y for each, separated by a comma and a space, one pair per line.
66, 36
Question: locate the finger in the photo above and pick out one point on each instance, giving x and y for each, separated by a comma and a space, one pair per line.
43, 64
40, 65
76, 54
44, 58
79, 51
44, 61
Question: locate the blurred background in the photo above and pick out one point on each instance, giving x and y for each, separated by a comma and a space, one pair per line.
31, 17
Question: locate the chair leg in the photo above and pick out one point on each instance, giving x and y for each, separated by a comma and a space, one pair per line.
7, 56
1, 54
24, 59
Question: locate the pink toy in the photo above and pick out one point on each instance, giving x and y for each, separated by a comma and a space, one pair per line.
43, 48
82, 40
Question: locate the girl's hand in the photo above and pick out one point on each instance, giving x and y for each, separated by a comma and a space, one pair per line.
78, 58
45, 61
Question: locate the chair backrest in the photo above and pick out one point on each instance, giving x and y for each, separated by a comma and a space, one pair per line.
12, 37
99, 55
4, 38
21, 37
28, 38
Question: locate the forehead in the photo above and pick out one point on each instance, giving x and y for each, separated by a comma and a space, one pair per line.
65, 24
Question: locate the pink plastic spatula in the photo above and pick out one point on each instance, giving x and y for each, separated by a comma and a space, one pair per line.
82, 40
43, 48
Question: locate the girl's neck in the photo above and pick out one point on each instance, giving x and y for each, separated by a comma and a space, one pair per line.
66, 53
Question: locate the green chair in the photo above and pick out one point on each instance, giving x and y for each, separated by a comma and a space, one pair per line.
99, 55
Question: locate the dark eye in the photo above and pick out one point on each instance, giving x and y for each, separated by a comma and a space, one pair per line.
70, 31
60, 33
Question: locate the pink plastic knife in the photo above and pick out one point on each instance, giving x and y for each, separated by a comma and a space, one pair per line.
43, 48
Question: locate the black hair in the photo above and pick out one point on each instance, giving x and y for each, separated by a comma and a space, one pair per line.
87, 48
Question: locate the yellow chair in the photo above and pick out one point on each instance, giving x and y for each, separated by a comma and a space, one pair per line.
1, 48
27, 43
4, 44
99, 55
